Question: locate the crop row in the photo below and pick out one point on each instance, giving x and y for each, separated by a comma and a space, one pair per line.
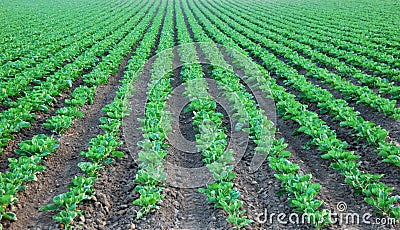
331, 43
301, 42
156, 123
362, 95
376, 193
371, 36
262, 130
40, 145
104, 145
211, 139
21, 82
32, 53
367, 130
21, 114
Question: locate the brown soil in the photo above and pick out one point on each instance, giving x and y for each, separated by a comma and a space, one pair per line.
186, 208
330, 180
62, 165
36, 126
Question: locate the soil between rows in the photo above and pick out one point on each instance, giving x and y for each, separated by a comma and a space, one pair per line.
314, 163
309, 162
182, 208
111, 207
61, 165
369, 113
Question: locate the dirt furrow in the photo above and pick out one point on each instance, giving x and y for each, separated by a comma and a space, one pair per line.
62, 165
112, 206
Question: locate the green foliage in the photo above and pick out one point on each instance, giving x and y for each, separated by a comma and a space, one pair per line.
40, 145
70, 112
90, 168
81, 189
58, 124
30, 82
81, 96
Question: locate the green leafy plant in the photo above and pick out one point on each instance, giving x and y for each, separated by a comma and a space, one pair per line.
81, 189
40, 145
59, 123
70, 112
378, 196
80, 96
89, 168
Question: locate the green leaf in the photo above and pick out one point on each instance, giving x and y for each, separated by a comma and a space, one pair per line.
49, 207
101, 149
10, 215
118, 154
5, 200
108, 161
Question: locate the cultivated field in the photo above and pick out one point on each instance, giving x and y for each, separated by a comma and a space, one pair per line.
200, 114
